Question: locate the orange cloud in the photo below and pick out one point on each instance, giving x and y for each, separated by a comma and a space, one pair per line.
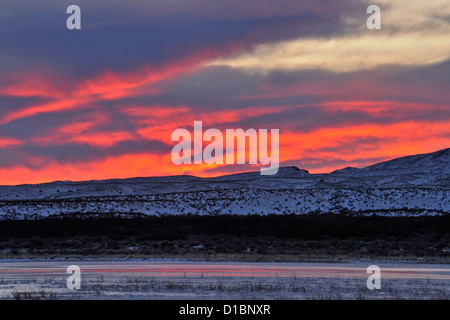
59, 105
394, 140
9, 142
108, 85
29, 85
125, 166
82, 130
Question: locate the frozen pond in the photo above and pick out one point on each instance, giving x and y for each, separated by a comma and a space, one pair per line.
144, 279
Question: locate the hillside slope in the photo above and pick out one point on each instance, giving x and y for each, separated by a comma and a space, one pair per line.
412, 185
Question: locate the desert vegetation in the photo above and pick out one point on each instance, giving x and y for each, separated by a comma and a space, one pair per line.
199, 287
328, 237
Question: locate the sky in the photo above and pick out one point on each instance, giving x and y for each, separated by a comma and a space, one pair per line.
103, 101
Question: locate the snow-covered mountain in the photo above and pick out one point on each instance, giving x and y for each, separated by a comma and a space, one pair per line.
436, 162
412, 185
422, 170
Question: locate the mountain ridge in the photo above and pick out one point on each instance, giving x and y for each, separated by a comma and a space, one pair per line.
417, 185
442, 155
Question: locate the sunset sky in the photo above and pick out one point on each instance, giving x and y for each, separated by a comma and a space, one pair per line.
102, 102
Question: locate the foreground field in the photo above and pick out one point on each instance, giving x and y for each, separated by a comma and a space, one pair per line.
215, 257
144, 279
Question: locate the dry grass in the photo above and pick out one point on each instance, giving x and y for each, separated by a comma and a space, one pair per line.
236, 288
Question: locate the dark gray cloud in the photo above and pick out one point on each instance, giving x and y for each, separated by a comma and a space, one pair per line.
122, 35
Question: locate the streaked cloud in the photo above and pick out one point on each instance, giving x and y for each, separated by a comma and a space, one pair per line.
346, 54
412, 34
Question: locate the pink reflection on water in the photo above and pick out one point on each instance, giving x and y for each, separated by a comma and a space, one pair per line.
238, 270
